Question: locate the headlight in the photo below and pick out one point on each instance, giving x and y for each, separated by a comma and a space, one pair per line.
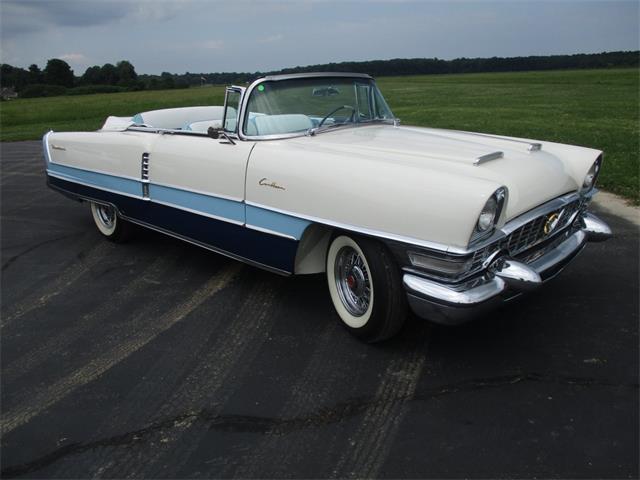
592, 175
490, 214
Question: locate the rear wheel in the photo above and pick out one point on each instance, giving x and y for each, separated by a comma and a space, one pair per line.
109, 224
365, 287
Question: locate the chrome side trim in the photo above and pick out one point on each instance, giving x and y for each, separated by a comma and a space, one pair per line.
271, 232
101, 172
209, 247
57, 147
86, 184
183, 238
366, 231
488, 157
200, 192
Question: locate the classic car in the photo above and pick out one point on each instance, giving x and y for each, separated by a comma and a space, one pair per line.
312, 173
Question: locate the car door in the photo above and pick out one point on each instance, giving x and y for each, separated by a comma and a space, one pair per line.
199, 182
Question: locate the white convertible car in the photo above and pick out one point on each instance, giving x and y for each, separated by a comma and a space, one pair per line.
312, 173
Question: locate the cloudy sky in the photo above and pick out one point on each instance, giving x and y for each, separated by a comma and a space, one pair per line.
238, 35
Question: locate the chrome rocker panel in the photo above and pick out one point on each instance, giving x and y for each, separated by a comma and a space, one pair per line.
505, 279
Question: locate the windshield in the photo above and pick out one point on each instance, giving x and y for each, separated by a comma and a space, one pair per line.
299, 105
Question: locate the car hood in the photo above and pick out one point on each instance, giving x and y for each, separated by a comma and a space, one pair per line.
532, 176
417, 183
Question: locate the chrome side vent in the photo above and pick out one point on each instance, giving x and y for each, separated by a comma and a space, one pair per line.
145, 166
144, 175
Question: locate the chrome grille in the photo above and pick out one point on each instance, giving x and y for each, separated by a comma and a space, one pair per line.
533, 232
524, 238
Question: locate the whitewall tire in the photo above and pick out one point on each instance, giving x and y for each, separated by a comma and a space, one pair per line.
109, 224
365, 287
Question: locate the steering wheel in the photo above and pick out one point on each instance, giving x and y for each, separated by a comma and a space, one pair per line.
341, 107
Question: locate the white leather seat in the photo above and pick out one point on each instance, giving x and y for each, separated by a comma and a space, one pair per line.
278, 124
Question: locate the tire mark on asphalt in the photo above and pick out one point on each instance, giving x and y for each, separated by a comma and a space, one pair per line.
60, 389
70, 275
30, 249
269, 452
233, 351
23, 364
36, 221
282, 426
367, 450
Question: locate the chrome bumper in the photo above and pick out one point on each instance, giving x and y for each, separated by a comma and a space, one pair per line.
505, 279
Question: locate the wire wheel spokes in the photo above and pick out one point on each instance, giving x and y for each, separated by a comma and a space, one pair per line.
353, 281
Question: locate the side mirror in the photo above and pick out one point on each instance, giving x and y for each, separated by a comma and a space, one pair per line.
214, 132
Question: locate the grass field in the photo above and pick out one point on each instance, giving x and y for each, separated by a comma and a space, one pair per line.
594, 108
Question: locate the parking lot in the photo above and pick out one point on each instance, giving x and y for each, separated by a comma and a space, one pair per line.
159, 359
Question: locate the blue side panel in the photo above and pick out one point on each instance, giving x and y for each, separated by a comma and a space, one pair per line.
277, 222
112, 182
269, 250
219, 207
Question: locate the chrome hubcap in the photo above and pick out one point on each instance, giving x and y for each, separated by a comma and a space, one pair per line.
106, 215
353, 282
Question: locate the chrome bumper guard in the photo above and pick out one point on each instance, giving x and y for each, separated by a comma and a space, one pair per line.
504, 279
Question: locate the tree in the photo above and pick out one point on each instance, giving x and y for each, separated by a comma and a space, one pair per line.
58, 72
109, 74
35, 74
92, 76
126, 73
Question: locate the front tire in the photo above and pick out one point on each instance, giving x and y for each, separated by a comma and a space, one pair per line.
109, 224
365, 287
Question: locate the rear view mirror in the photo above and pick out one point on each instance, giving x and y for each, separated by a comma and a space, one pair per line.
325, 91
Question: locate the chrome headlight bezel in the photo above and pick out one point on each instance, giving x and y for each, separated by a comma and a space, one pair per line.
591, 178
489, 215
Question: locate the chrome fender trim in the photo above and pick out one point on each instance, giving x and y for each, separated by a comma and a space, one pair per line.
437, 292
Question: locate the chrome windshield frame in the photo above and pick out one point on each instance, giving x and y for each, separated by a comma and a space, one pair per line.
298, 76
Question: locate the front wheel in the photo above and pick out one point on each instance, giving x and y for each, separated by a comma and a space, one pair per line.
109, 224
365, 287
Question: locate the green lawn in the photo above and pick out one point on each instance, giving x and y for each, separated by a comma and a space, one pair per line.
594, 108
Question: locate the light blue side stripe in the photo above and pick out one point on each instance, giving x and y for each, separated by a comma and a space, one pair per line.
218, 207
100, 180
235, 211
276, 222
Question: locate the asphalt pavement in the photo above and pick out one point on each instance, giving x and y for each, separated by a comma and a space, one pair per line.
159, 359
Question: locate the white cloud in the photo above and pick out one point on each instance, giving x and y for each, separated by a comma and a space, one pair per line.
212, 44
272, 38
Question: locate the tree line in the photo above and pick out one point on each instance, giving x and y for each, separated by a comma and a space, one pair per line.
57, 77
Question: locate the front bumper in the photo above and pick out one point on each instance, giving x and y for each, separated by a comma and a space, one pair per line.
503, 280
